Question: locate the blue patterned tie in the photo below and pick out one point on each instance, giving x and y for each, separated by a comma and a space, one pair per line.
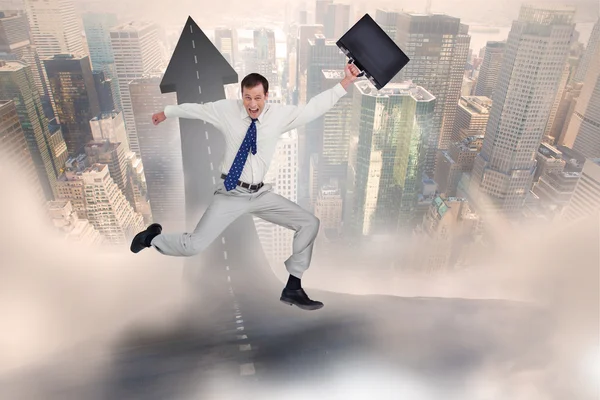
249, 144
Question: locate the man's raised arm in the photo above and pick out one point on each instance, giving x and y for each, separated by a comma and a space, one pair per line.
317, 106
211, 112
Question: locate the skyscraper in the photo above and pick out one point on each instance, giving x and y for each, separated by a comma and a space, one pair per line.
321, 8
105, 205
264, 46
136, 53
584, 125
14, 40
488, 72
471, 117
392, 126
47, 148
14, 149
306, 33
323, 54
590, 50
75, 97
536, 51
226, 43
438, 47
333, 154
585, 200
55, 27
337, 20
160, 147
283, 175
97, 30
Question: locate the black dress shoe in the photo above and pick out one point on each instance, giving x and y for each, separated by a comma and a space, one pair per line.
139, 241
299, 299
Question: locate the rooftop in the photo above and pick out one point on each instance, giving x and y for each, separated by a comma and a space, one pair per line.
333, 73
132, 26
406, 88
476, 104
12, 65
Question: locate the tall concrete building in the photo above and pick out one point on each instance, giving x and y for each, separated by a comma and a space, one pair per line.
488, 72
306, 34
97, 31
392, 127
15, 40
55, 27
74, 229
329, 210
454, 162
321, 9
536, 51
335, 138
264, 46
160, 147
14, 149
584, 126
437, 241
337, 20
109, 126
588, 55
226, 43
388, 21
283, 176
323, 54
47, 147
93, 190
75, 97
97, 27
471, 117
585, 200
114, 156
438, 47
136, 54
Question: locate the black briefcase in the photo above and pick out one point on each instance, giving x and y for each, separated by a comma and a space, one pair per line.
374, 53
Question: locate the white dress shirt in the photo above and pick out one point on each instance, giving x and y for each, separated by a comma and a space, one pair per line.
232, 119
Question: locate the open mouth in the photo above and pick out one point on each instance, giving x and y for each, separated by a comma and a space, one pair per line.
253, 111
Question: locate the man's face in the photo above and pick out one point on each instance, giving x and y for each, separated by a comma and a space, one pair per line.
254, 100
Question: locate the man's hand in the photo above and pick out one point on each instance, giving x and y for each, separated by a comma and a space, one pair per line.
158, 118
351, 74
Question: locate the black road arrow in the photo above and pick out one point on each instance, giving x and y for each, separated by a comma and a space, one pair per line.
197, 72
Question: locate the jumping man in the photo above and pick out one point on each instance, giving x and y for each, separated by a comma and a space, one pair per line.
252, 129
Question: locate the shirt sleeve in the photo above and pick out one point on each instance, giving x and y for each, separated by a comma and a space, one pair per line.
211, 112
295, 116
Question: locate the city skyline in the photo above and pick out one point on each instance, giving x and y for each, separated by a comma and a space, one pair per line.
498, 106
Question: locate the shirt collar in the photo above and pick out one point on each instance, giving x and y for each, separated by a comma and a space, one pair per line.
244, 113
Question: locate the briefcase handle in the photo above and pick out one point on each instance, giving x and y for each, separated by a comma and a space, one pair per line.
351, 61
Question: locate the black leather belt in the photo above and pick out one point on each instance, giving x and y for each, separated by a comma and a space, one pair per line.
246, 185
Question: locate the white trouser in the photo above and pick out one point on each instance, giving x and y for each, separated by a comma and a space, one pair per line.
226, 207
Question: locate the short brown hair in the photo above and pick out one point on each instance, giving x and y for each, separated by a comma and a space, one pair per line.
253, 80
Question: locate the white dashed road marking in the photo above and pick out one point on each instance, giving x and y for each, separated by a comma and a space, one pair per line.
245, 347
247, 369
225, 254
